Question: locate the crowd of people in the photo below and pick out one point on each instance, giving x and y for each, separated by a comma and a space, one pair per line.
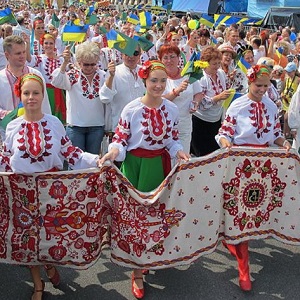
75, 94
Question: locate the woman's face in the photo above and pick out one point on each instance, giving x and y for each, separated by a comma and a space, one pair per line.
203, 39
175, 40
214, 65
170, 60
40, 29
49, 45
249, 58
32, 95
156, 83
258, 88
88, 67
226, 58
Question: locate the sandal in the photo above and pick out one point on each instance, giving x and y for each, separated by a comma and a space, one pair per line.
39, 291
55, 279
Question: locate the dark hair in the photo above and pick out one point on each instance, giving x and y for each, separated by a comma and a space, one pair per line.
204, 32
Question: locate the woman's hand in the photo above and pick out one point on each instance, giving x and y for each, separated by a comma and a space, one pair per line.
67, 54
225, 143
222, 96
182, 155
111, 155
183, 86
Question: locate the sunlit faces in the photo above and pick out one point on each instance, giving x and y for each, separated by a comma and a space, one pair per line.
40, 29
17, 55
170, 59
132, 61
175, 40
156, 83
259, 87
88, 67
49, 45
226, 58
214, 65
233, 38
249, 58
32, 95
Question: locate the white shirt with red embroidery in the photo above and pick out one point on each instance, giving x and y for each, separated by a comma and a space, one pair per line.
45, 65
84, 106
40, 146
208, 110
147, 128
250, 122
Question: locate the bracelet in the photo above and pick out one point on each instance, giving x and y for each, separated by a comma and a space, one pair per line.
174, 93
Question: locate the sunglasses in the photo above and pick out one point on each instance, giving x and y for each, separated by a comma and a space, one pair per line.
88, 65
63, 10
135, 53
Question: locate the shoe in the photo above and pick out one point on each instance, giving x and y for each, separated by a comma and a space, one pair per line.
230, 248
245, 285
39, 291
55, 279
137, 293
145, 271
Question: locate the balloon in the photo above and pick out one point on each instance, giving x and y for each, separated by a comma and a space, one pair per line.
193, 24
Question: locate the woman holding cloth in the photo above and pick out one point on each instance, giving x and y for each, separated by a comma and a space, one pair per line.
37, 142
145, 140
251, 120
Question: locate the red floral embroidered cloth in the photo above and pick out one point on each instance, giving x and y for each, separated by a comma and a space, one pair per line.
66, 218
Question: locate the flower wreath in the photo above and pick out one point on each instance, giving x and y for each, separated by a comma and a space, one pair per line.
46, 36
145, 70
20, 82
252, 73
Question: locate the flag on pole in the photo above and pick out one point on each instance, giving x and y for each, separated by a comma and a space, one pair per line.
145, 19
133, 19
55, 20
207, 20
279, 52
233, 96
17, 112
143, 42
73, 33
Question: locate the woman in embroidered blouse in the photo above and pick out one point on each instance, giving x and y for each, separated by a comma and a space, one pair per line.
146, 137
37, 142
36, 47
251, 120
85, 111
207, 118
46, 63
179, 91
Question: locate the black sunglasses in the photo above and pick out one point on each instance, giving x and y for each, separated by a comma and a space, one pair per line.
135, 53
89, 65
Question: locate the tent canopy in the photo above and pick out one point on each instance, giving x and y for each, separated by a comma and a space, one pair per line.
204, 6
282, 16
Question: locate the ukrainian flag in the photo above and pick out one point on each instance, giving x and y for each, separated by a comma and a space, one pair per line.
73, 33
17, 112
6, 16
233, 96
243, 65
207, 20
279, 52
113, 37
133, 19
145, 19
219, 19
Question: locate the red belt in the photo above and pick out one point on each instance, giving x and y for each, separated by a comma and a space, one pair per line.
166, 159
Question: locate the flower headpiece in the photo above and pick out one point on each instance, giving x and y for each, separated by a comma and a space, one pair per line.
149, 66
257, 71
21, 80
46, 36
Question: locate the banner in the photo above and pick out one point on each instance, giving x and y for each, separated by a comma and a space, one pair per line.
66, 218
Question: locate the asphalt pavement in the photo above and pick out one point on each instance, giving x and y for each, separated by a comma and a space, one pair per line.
275, 270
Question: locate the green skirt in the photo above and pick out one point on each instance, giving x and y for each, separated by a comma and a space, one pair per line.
145, 174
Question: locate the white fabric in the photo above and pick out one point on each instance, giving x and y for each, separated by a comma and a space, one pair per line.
294, 117
81, 110
125, 88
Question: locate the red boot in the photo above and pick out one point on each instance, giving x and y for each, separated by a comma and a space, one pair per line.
242, 256
230, 248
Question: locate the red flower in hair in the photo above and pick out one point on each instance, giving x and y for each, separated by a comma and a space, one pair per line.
17, 88
252, 72
145, 70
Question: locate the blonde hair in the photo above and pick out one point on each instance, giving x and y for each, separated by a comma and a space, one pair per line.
87, 51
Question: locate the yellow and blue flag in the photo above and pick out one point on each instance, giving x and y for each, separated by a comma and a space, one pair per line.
233, 96
73, 33
121, 42
207, 20
279, 52
6, 16
243, 65
145, 19
17, 112
133, 19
